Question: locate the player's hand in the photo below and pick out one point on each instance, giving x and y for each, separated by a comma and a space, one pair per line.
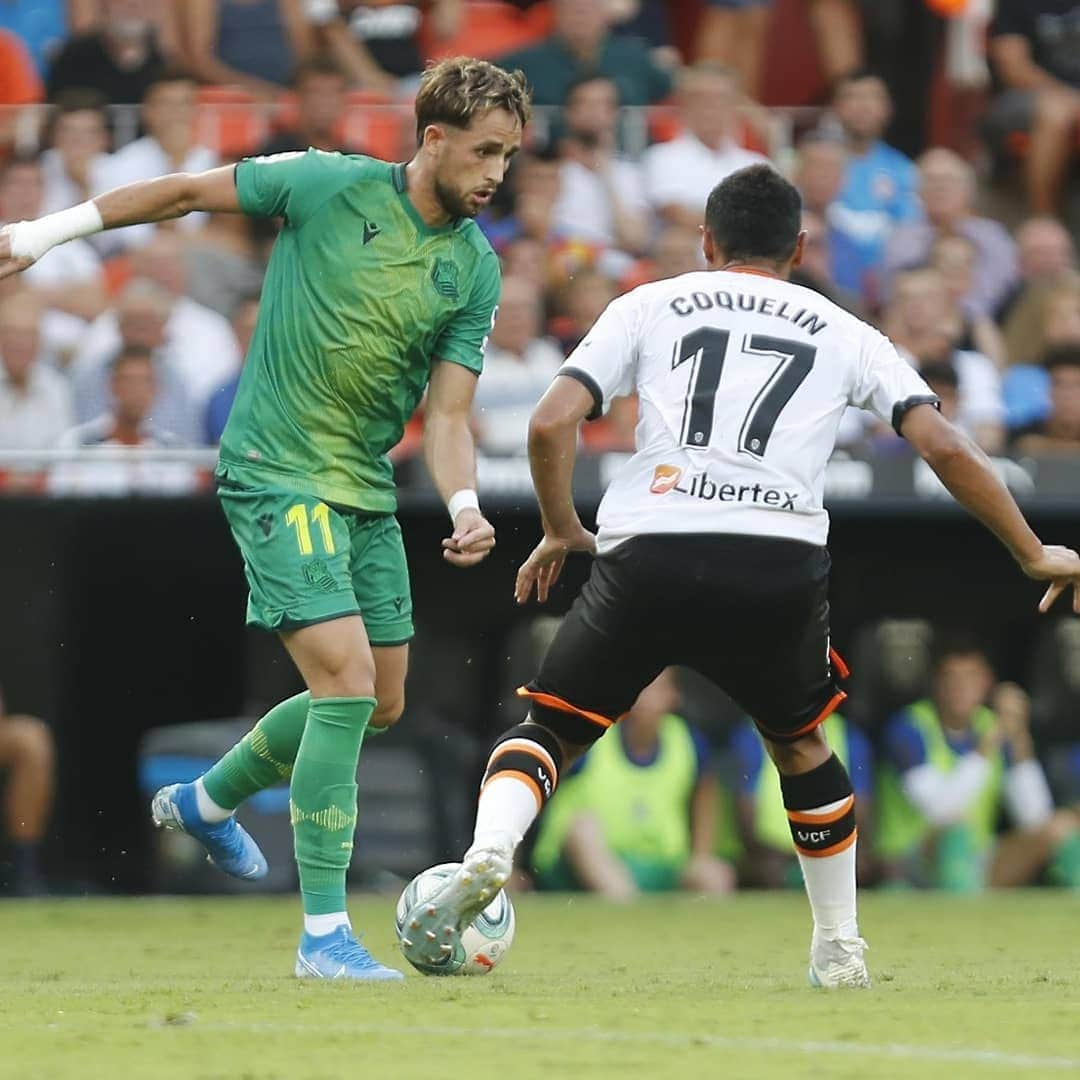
8, 265
472, 540
543, 567
1061, 567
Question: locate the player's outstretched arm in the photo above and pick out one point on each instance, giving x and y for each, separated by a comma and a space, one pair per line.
553, 434
451, 460
167, 197
966, 471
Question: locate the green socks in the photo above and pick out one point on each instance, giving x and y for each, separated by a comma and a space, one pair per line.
263, 757
322, 799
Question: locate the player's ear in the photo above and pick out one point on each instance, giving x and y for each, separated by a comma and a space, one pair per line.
800, 249
432, 139
708, 245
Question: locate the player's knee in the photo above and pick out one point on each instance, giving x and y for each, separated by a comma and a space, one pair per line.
801, 754
1058, 111
29, 742
527, 752
388, 711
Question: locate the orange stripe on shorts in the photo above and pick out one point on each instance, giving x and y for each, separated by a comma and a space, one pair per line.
553, 702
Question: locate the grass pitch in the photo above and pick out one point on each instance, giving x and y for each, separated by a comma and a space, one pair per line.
672, 987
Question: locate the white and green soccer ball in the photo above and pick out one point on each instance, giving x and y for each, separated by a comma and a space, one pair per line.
482, 944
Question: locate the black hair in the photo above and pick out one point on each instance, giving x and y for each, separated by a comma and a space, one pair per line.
858, 75
952, 643
755, 214
940, 372
1062, 356
584, 78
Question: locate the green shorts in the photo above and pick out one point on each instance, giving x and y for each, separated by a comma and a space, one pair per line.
307, 562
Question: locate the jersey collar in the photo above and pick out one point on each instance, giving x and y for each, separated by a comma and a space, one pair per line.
397, 172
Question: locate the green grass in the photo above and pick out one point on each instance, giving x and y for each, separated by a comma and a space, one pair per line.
675, 987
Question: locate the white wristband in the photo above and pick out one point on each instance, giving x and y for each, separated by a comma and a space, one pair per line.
461, 500
33, 238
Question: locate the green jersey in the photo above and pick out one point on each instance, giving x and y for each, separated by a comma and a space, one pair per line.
360, 296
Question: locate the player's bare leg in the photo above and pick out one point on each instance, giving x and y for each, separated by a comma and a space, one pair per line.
820, 803
26, 752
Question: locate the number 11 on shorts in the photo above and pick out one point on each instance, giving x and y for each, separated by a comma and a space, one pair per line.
297, 517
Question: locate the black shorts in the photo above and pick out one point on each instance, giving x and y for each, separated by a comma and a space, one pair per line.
749, 613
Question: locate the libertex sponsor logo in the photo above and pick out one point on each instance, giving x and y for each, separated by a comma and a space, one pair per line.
668, 478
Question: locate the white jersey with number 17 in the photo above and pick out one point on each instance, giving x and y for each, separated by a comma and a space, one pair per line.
742, 379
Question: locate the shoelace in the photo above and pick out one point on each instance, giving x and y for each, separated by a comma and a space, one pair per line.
350, 951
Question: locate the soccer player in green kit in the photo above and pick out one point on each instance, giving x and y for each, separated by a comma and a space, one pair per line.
380, 284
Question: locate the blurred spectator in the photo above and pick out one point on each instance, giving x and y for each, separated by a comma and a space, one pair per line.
120, 59
584, 299
377, 41
582, 43
168, 113
533, 190
221, 400
941, 377
36, 406
648, 19
519, 365
199, 344
948, 191
320, 110
880, 188
920, 323
951, 764
142, 319
253, 44
19, 82
601, 195
69, 278
27, 757
72, 168
1046, 256
1046, 319
128, 422
224, 262
526, 257
953, 257
41, 26
638, 814
677, 250
1059, 431
819, 173
1035, 48
769, 859
815, 270
735, 32
681, 173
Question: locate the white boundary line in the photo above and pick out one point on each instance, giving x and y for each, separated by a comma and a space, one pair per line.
682, 1041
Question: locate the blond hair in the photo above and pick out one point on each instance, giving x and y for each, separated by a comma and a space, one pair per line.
457, 90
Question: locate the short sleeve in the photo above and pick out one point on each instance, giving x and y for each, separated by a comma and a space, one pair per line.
860, 762
1013, 17
605, 361
292, 185
463, 340
749, 756
905, 747
886, 384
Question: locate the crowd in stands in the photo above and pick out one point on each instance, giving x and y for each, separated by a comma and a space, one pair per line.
642, 107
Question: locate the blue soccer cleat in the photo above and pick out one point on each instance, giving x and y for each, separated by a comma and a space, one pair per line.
228, 846
338, 955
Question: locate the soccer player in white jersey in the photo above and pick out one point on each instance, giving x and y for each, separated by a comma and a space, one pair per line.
711, 550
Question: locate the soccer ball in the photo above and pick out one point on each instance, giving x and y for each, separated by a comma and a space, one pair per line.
482, 944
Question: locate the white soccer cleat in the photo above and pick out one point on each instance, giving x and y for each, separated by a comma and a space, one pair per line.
838, 964
433, 927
